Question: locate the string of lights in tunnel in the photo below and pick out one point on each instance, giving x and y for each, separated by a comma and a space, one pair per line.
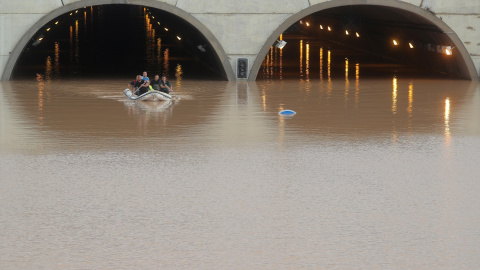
41, 36
444, 49
448, 50
158, 23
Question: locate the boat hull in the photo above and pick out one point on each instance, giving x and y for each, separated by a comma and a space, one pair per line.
153, 95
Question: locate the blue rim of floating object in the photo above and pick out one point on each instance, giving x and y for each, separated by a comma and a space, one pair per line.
287, 112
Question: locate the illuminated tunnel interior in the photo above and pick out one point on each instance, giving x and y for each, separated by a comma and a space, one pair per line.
376, 41
117, 41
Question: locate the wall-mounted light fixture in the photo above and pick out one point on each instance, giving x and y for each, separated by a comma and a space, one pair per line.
280, 44
448, 50
202, 48
37, 41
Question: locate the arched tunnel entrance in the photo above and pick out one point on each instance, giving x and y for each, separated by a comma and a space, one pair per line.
118, 40
331, 39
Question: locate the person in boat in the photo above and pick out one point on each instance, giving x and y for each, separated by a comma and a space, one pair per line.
145, 77
155, 83
138, 86
165, 85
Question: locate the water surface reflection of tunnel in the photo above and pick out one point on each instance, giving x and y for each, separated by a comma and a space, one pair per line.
383, 41
117, 41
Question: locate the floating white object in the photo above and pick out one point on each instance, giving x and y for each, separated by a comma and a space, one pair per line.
150, 95
287, 112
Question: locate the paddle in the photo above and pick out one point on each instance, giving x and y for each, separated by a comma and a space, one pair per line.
136, 90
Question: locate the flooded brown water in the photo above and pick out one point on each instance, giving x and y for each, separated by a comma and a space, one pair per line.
369, 174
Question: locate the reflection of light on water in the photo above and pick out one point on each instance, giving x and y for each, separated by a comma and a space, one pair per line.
281, 60
264, 99
149, 41
394, 107
159, 53
41, 93
347, 83
71, 43
301, 58
266, 63
410, 99
271, 62
329, 59
357, 83
91, 16
48, 68
57, 60
178, 75
307, 61
166, 62
346, 69
410, 104
321, 64
151, 50
77, 49
307, 68
447, 120
148, 25
74, 46
357, 71
281, 64
394, 96
329, 62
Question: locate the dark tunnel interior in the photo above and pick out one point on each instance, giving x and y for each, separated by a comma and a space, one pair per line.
118, 41
382, 41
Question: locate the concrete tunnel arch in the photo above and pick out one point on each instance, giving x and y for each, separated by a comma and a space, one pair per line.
465, 62
214, 43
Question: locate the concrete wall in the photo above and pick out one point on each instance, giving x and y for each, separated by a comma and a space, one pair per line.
464, 19
235, 28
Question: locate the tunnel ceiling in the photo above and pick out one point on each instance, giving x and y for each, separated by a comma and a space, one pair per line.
381, 20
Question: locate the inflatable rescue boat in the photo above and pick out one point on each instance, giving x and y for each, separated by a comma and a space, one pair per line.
152, 95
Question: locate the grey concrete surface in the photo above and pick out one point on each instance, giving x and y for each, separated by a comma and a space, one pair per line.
262, 23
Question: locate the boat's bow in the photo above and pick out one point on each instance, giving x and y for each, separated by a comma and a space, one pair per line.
150, 95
